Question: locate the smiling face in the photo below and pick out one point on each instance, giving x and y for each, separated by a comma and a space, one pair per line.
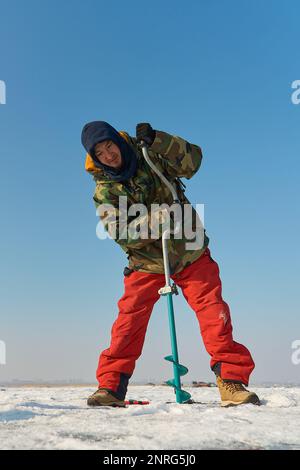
108, 153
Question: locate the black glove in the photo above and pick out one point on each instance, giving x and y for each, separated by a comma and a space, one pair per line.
145, 132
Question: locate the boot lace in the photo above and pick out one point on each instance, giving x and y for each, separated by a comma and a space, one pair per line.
234, 387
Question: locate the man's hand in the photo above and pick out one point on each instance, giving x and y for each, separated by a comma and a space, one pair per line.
145, 132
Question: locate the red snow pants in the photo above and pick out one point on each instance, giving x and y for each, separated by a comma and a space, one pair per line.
201, 286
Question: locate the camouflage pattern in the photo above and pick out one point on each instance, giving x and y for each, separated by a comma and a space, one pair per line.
174, 157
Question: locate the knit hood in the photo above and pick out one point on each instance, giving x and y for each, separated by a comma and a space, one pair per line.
98, 131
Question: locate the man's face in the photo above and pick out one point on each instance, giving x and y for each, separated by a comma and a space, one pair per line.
108, 153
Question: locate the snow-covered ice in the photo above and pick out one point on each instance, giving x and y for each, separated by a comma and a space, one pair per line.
58, 418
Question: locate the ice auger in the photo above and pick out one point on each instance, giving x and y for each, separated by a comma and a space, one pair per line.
168, 290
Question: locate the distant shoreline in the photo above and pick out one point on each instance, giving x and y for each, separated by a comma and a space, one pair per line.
20, 384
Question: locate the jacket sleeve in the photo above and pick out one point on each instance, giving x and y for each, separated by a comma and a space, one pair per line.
117, 222
178, 157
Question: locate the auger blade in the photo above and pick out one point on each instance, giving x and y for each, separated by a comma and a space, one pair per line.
182, 396
182, 370
171, 382
169, 358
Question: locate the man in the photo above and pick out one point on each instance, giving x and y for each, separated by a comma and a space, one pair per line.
119, 169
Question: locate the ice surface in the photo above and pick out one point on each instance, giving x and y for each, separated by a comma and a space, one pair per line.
58, 418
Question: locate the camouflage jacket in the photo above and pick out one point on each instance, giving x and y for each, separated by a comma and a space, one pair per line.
175, 158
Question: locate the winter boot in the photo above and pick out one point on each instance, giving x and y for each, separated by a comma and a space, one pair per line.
234, 393
103, 397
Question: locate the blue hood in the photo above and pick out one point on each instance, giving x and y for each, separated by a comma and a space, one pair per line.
98, 131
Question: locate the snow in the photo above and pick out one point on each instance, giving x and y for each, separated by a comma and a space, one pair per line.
58, 418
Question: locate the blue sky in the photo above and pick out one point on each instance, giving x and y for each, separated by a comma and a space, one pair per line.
218, 74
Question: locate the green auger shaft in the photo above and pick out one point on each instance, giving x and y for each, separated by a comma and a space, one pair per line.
179, 369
